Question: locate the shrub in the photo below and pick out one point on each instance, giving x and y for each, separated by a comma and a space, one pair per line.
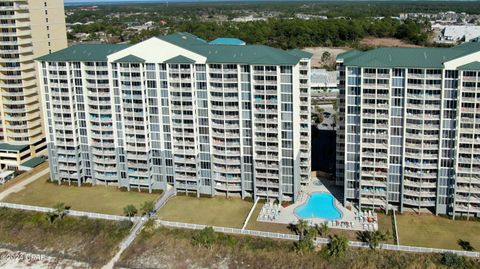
304, 245
374, 239
130, 211
452, 260
147, 208
337, 247
124, 225
206, 237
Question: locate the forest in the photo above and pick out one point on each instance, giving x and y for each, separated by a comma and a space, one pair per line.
346, 22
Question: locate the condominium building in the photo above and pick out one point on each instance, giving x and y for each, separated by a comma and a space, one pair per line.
205, 118
29, 28
410, 128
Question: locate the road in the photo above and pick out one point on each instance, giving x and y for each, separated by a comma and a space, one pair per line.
21, 185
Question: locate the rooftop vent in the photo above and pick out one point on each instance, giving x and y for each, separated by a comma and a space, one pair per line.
227, 41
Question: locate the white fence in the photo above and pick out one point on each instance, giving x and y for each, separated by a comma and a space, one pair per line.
318, 241
429, 250
228, 230
69, 212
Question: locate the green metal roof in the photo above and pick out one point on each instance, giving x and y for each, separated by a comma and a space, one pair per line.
301, 53
248, 54
348, 54
33, 162
180, 60
408, 57
470, 66
83, 53
130, 59
10, 147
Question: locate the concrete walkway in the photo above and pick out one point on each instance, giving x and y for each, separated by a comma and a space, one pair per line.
21, 185
169, 193
126, 243
250, 213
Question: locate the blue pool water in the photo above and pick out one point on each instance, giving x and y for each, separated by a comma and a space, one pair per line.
319, 205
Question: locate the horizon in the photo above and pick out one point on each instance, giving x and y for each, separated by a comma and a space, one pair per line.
206, 1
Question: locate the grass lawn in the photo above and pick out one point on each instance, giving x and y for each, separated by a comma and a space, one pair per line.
385, 224
215, 211
100, 199
436, 232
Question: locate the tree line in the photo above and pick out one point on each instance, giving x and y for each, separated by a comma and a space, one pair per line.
296, 33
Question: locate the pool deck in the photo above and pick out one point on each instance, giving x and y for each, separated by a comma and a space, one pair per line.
348, 221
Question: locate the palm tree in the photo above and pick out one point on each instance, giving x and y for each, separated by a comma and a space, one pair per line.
323, 229
147, 208
51, 216
60, 210
374, 239
130, 211
337, 246
302, 226
312, 232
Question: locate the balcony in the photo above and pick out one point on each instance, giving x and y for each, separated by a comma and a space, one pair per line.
422, 203
105, 168
269, 193
467, 199
228, 187
65, 175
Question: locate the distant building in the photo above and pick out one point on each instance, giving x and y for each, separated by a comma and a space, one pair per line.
323, 86
452, 34
149, 24
88, 8
322, 80
249, 18
176, 110
310, 17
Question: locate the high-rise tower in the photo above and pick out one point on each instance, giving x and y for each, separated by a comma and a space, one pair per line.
29, 28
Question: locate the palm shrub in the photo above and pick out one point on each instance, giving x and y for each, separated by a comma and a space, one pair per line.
130, 211
374, 239
147, 208
205, 238
323, 229
302, 226
306, 243
60, 210
337, 246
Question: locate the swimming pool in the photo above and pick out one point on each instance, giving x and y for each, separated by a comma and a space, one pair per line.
319, 205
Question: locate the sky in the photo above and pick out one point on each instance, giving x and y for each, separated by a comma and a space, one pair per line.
99, 1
